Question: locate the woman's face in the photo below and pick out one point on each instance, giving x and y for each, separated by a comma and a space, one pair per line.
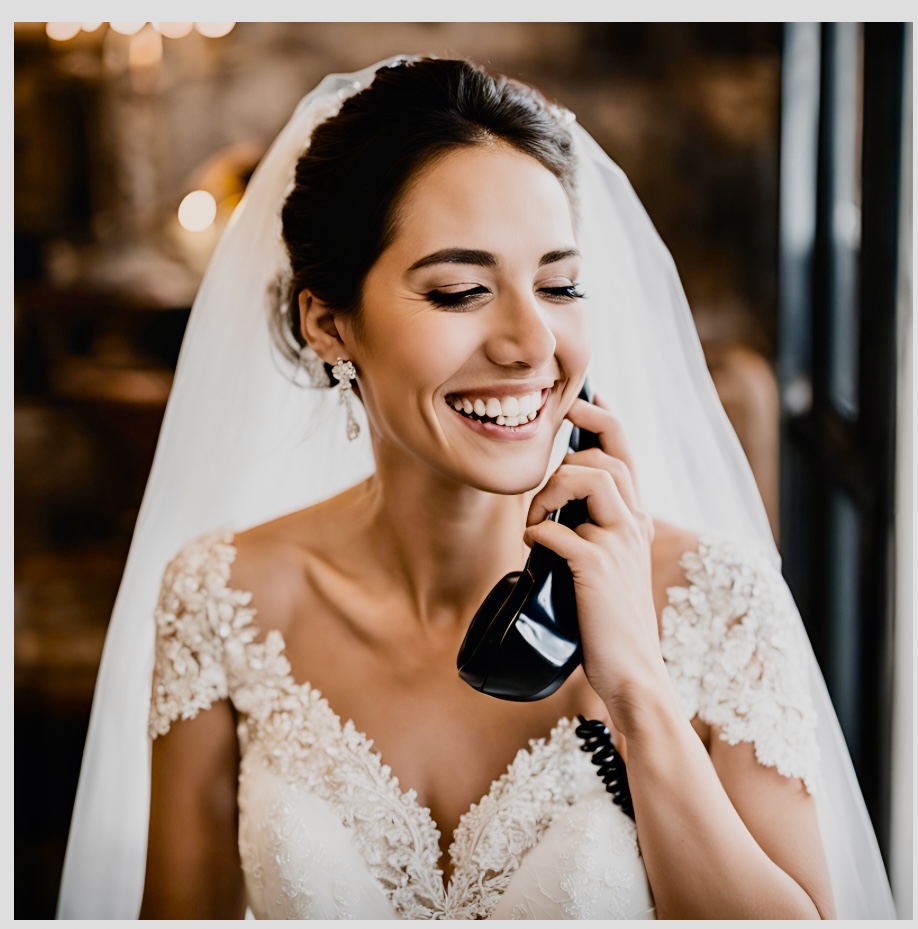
472, 341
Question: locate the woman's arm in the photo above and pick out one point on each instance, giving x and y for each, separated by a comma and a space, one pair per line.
193, 869
721, 836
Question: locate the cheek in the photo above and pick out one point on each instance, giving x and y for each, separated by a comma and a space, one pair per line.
404, 365
573, 336
422, 351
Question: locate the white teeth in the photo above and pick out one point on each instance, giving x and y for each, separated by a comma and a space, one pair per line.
511, 411
492, 407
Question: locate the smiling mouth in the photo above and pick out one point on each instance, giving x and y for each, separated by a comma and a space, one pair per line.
510, 411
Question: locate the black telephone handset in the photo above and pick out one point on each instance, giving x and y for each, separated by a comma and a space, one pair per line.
524, 641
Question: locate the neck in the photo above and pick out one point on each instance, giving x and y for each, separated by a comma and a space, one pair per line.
443, 542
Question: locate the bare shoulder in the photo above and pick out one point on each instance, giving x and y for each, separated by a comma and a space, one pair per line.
670, 544
275, 561
268, 553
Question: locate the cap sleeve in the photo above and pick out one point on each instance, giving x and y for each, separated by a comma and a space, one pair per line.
196, 615
736, 651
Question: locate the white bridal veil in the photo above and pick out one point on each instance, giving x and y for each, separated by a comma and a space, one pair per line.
242, 443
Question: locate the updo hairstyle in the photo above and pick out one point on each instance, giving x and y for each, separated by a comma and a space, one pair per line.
343, 210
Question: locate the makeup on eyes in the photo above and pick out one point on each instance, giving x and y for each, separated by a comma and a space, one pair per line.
469, 298
462, 295
455, 298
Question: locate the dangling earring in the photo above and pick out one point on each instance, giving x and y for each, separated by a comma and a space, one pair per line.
345, 372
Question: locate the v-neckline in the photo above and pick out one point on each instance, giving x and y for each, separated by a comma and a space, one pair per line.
341, 764
348, 730
363, 743
357, 741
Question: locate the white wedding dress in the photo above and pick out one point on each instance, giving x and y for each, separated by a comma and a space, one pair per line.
325, 831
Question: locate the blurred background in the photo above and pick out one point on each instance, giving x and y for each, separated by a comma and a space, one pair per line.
775, 161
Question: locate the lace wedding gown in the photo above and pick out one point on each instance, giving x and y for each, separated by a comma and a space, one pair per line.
325, 831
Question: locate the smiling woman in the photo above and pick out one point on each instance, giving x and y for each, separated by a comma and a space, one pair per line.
315, 753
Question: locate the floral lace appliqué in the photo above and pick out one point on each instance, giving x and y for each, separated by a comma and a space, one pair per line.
494, 835
197, 614
735, 653
398, 837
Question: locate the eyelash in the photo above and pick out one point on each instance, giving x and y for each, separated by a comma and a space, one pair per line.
465, 298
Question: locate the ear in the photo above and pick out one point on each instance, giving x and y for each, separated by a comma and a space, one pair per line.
319, 328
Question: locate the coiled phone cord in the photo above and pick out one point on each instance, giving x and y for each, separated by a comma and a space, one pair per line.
611, 766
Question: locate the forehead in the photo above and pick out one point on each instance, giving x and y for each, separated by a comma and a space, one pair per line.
489, 196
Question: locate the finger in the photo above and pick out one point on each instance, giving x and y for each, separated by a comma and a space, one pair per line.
599, 420
604, 501
641, 529
619, 471
561, 540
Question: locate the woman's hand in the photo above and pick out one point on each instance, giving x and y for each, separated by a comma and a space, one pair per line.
609, 558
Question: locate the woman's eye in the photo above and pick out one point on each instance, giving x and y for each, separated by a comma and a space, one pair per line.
459, 299
564, 293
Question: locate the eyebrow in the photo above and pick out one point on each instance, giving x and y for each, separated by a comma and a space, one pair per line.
457, 256
482, 259
549, 258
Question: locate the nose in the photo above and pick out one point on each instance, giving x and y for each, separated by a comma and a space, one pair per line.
522, 336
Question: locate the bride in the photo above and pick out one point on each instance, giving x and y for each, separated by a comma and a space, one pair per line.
452, 251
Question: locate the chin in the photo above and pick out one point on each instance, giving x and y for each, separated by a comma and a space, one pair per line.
510, 481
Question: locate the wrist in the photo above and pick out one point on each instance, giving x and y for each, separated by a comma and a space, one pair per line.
645, 705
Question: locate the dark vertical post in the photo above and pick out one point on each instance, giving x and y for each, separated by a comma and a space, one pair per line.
884, 60
800, 97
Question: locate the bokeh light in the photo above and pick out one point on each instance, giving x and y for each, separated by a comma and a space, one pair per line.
197, 211
60, 32
126, 28
214, 30
173, 30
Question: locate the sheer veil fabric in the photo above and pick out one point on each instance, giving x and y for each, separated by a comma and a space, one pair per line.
242, 442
